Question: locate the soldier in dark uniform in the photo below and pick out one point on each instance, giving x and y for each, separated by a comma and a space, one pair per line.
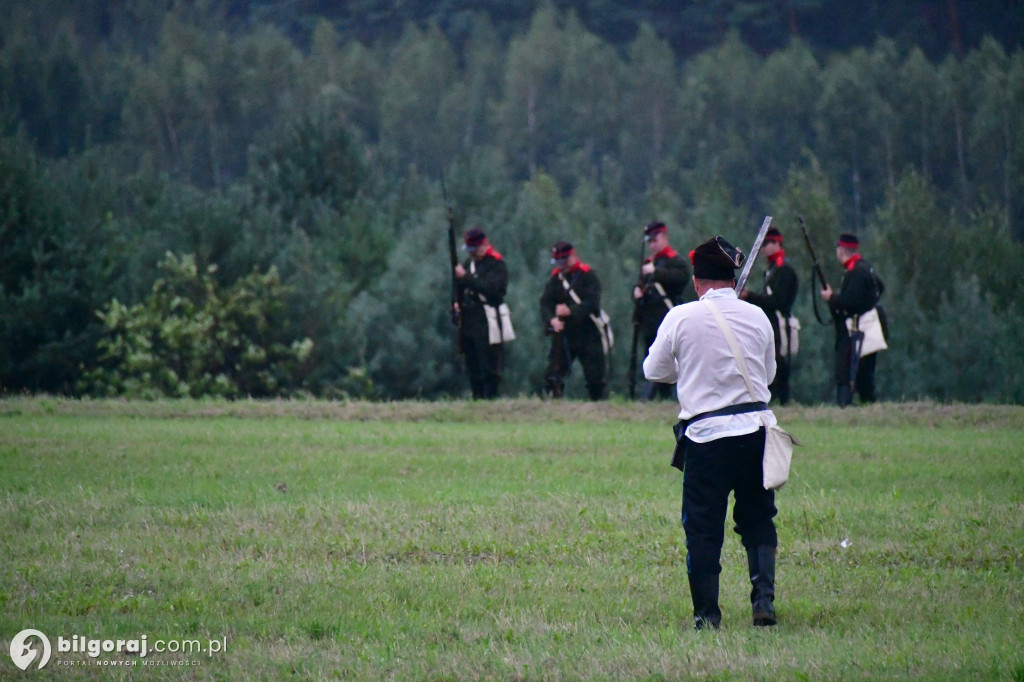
483, 279
858, 293
664, 279
780, 287
569, 304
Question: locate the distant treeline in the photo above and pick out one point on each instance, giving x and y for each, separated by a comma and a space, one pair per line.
226, 211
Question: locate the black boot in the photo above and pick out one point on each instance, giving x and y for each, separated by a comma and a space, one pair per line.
761, 562
704, 593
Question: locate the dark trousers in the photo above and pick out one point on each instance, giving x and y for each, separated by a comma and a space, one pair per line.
653, 390
712, 471
780, 385
591, 356
483, 365
863, 382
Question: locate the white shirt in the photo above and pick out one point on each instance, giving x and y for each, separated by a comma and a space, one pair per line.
692, 351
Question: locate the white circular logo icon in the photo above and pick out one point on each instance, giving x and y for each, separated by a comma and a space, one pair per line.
23, 654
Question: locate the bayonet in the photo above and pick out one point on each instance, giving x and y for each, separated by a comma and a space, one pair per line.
752, 256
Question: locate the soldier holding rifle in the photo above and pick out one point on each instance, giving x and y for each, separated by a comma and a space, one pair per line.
664, 277
482, 281
780, 288
857, 317
571, 307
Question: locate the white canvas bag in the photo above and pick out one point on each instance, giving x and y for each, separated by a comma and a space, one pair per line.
789, 334
496, 334
871, 326
505, 332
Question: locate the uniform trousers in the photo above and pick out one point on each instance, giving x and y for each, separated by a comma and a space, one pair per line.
863, 382
655, 389
591, 356
713, 470
780, 385
483, 364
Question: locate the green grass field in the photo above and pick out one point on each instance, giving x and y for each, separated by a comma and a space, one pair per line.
514, 540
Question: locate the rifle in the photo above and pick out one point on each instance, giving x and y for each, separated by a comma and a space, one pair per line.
637, 303
555, 381
456, 297
856, 336
815, 270
752, 256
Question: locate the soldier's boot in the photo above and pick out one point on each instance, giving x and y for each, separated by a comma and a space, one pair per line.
844, 395
704, 593
761, 562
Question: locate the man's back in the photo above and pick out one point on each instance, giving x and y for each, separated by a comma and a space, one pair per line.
692, 350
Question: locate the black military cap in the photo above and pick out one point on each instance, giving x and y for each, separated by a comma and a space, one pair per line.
848, 241
654, 228
716, 259
560, 251
473, 238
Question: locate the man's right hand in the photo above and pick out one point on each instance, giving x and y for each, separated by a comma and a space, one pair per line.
556, 325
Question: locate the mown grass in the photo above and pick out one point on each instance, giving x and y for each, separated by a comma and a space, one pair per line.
514, 540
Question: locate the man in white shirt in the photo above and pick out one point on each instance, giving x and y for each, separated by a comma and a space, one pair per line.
720, 437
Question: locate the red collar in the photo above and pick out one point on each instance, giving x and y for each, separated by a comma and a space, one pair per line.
777, 258
854, 259
491, 253
579, 267
667, 252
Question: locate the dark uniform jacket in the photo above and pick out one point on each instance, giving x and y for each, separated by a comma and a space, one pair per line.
780, 287
859, 291
486, 281
673, 275
579, 328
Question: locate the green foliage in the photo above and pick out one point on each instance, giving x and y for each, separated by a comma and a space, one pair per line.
60, 253
963, 351
254, 142
311, 165
190, 339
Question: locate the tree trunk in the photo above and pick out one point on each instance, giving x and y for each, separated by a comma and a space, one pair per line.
1007, 164
890, 173
856, 194
531, 128
925, 170
954, 28
961, 153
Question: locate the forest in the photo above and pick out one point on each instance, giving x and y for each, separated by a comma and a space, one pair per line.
244, 199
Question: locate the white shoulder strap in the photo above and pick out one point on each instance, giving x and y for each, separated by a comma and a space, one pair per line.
733, 344
572, 293
664, 295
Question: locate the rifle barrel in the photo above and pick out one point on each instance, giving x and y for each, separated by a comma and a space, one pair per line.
814, 256
754, 249
815, 270
456, 302
636, 326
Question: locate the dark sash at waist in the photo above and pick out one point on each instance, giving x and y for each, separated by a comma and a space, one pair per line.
742, 408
